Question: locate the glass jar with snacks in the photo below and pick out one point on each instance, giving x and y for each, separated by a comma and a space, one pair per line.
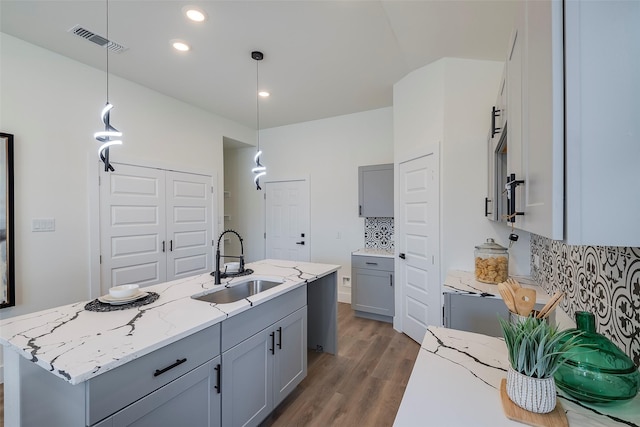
492, 262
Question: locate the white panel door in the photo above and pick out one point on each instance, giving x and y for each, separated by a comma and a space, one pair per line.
418, 243
287, 220
189, 228
132, 226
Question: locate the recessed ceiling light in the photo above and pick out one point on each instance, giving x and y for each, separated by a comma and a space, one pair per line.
180, 45
263, 93
194, 13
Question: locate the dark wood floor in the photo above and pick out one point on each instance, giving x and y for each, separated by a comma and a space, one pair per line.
360, 386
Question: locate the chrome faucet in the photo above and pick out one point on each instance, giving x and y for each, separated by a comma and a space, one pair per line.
218, 256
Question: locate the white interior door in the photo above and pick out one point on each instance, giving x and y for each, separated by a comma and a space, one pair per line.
155, 225
189, 228
287, 220
418, 242
132, 226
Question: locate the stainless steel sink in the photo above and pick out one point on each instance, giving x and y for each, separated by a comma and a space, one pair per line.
238, 292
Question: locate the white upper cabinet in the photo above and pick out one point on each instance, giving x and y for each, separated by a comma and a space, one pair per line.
603, 122
573, 105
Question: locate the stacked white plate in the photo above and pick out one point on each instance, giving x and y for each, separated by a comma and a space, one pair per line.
123, 294
108, 299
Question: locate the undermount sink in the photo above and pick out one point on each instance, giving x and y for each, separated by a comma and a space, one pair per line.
238, 291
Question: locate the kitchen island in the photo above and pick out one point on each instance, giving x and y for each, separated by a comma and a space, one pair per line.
455, 382
71, 349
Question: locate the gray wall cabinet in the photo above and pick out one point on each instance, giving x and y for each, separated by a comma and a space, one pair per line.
375, 191
372, 293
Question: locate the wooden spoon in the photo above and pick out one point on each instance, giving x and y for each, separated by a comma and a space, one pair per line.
513, 283
550, 305
507, 296
525, 301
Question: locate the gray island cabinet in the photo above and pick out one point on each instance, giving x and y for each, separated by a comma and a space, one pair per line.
230, 365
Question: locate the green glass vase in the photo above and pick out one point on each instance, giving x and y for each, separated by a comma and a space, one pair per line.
598, 372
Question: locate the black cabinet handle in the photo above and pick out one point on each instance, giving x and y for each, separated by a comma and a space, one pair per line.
300, 243
402, 256
359, 209
218, 385
371, 263
163, 246
280, 337
511, 185
486, 206
391, 280
173, 365
171, 245
273, 342
494, 113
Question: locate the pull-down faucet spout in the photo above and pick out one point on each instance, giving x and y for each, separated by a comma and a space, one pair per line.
218, 256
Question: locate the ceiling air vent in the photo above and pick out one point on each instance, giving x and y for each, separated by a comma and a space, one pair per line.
97, 39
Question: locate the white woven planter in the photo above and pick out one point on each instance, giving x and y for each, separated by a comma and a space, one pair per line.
533, 394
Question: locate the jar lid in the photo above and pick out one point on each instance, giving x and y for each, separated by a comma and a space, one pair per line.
491, 246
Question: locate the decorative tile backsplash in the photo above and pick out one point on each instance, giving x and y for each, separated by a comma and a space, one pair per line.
603, 280
378, 233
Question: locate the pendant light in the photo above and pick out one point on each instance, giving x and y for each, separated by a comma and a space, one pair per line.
258, 170
110, 136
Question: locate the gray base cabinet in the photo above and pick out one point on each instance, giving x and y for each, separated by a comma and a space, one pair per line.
261, 371
372, 293
193, 398
260, 368
477, 314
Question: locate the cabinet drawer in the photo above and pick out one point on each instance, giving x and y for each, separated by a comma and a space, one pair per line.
372, 262
113, 390
241, 326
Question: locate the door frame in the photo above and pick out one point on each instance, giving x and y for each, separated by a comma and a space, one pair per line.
304, 178
399, 265
93, 185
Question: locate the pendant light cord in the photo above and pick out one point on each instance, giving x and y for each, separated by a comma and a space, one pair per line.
258, 101
107, 47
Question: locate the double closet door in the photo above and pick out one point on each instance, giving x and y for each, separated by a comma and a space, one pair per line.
155, 225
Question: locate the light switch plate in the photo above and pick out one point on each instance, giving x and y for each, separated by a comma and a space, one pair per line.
43, 224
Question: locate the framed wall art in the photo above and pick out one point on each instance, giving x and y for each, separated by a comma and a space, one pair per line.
7, 279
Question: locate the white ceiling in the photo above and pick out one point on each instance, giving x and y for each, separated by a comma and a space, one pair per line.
322, 58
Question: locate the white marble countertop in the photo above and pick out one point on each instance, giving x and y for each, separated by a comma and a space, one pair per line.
464, 282
455, 382
76, 344
383, 253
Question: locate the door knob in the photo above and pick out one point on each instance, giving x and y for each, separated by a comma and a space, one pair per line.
300, 243
402, 256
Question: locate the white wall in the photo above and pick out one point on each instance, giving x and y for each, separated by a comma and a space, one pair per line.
446, 106
328, 153
52, 105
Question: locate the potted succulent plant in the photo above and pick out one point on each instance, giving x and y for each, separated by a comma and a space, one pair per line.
536, 350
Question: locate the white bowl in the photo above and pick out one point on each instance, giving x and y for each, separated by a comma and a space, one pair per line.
123, 291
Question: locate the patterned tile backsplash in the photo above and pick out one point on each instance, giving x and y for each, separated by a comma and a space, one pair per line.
378, 233
604, 280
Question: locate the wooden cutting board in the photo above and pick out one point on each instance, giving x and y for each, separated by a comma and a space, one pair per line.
555, 418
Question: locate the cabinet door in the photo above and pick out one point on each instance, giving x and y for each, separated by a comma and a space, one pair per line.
191, 397
290, 366
603, 127
542, 195
372, 291
247, 380
375, 192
